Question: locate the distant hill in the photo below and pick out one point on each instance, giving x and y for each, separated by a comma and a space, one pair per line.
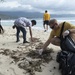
16, 14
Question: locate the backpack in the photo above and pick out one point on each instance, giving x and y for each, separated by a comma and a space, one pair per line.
67, 43
66, 62
66, 57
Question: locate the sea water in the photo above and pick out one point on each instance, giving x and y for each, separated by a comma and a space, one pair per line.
39, 24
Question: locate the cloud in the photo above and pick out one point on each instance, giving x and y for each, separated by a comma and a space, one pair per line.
9, 4
53, 6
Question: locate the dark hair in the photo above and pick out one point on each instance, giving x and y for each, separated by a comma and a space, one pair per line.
45, 11
33, 21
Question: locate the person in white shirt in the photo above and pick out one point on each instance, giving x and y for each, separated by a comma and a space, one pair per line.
20, 25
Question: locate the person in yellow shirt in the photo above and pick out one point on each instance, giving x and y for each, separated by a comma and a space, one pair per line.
46, 18
54, 37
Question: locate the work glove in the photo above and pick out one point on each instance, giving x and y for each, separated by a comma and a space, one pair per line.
67, 32
40, 51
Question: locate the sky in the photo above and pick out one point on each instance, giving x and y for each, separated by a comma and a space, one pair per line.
53, 6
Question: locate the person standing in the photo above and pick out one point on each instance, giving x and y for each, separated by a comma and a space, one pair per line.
20, 25
46, 18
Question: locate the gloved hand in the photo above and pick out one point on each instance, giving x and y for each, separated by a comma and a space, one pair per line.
40, 51
67, 32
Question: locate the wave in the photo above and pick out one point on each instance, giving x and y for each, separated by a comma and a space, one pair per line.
39, 22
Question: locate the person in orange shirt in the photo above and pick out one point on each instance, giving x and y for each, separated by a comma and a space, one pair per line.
46, 18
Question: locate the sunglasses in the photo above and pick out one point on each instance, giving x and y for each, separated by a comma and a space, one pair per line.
53, 26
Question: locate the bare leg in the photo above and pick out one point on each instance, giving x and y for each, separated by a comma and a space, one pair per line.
73, 36
55, 41
46, 27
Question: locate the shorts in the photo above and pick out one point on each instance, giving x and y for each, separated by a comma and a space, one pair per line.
46, 22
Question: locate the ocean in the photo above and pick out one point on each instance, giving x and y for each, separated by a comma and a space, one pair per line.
39, 24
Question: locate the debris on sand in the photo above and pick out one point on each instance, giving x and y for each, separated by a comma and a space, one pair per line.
45, 57
35, 65
21, 58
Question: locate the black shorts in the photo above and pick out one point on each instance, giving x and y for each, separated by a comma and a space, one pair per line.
46, 22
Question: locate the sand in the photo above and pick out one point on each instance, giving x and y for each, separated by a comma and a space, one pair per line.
14, 59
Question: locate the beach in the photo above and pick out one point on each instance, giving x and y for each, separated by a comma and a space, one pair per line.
14, 59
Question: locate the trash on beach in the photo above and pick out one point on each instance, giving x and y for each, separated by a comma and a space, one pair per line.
30, 61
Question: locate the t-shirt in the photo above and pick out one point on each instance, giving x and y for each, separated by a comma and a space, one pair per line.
23, 22
57, 32
46, 16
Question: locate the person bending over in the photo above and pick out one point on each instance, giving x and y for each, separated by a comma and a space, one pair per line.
1, 28
54, 37
20, 25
